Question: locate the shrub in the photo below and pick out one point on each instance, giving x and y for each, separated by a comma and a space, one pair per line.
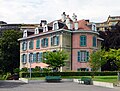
17, 70
24, 70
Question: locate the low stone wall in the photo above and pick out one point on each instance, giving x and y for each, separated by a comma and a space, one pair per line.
97, 83
24, 80
104, 84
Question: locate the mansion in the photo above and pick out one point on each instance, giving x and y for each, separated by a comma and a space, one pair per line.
79, 38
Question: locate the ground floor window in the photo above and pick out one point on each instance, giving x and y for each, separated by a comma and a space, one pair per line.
82, 69
83, 56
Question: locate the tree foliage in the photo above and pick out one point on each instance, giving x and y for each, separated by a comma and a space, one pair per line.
111, 37
111, 41
56, 59
9, 50
114, 55
97, 60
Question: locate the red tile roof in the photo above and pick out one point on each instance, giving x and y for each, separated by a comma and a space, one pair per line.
82, 24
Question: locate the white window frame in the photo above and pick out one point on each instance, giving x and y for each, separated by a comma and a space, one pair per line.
45, 28
56, 22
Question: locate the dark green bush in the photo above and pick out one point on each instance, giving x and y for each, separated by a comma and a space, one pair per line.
24, 69
38, 74
17, 70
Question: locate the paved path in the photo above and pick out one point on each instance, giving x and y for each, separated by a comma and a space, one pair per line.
44, 86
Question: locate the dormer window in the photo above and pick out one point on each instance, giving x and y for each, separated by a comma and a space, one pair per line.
94, 27
36, 30
45, 28
25, 33
55, 25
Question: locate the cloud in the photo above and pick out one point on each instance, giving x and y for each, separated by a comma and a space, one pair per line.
32, 11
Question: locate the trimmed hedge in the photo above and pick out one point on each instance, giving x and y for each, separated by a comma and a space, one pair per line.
38, 74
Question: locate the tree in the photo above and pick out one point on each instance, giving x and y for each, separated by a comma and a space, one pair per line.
9, 50
111, 40
56, 59
111, 37
97, 60
114, 55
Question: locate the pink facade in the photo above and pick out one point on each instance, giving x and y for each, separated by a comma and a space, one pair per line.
76, 47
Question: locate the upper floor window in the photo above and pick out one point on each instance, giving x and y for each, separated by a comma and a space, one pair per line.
83, 56
24, 45
54, 40
36, 30
83, 40
94, 27
31, 44
45, 28
44, 42
25, 33
38, 43
94, 41
55, 25
24, 58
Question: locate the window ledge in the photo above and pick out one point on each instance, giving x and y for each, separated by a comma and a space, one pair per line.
83, 62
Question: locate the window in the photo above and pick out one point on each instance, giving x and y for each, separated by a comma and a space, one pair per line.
82, 69
31, 44
83, 56
83, 40
44, 42
37, 57
45, 28
55, 26
94, 41
54, 40
34, 57
24, 58
45, 55
40, 57
94, 27
31, 57
24, 46
38, 43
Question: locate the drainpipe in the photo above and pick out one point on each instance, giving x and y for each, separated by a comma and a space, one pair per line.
71, 49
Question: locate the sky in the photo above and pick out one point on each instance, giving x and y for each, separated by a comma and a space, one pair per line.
33, 11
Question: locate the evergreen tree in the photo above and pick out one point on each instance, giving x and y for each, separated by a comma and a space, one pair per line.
9, 50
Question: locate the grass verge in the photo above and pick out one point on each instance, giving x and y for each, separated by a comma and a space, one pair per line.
111, 79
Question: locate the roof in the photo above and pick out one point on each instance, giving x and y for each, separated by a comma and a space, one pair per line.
82, 25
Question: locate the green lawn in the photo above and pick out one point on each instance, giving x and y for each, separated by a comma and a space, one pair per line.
111, 79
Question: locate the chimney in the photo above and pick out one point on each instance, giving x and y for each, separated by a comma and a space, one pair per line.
63, 17
87, 21
74, 17
43, 23
68, 22
76, 25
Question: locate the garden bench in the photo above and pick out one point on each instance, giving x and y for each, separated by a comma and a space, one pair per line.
85, 80
53, 78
